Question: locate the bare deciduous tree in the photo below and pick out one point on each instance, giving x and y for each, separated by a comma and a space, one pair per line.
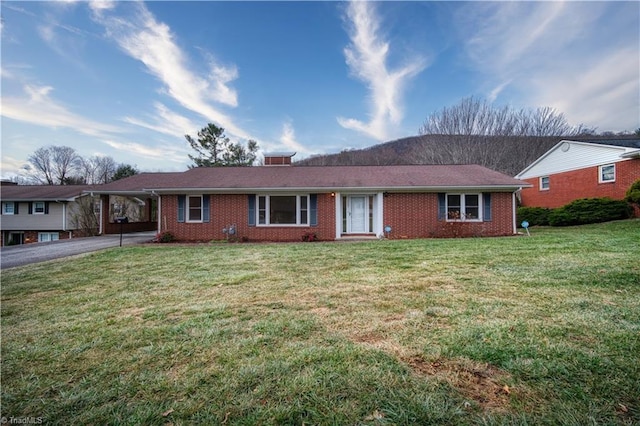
477, 117
53, 165
98, 169
84, 217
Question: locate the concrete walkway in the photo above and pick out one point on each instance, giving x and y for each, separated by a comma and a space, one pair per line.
26, 254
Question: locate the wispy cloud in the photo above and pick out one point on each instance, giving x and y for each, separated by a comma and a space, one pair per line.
38, 107
551, 54
288, 138
166, 152
166, 121
606, 95
152, 42
367, 57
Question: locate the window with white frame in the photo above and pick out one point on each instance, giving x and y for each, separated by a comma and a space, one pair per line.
607, 173
194, 208
8, 208
283, 210
464, 207
44, 237
544, 183
38, 207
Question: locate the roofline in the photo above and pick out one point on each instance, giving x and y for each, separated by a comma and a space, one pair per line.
495, 188
631, 154
30, 199
132, 193
553, 148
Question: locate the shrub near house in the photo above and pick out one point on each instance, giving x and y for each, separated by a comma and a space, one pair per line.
578, 212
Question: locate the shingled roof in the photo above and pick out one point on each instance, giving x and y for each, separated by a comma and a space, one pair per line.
320, 178
43, 192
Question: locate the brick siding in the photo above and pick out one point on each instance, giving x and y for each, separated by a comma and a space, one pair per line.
415, 215
411, 215
584, 183
233, 210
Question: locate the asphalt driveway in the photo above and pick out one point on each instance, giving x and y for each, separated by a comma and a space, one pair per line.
26, 254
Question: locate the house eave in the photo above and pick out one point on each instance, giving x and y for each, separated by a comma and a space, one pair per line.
253, 190
138, 193
29, 200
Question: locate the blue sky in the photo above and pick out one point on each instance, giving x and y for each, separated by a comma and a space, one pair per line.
130, 79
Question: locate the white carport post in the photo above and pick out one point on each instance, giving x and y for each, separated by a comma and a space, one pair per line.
338, 203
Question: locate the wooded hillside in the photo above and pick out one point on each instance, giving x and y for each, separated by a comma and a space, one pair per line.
509, 155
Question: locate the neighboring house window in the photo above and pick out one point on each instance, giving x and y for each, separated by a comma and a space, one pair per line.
607, 173
544, 183
8, 208
117, 209
194, 211
43, 237
463, 207
283, 209
38, 207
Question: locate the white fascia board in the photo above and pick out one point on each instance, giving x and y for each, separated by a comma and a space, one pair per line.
525, 175
542, 157
358, 189
142, 192
28, 200
631, 154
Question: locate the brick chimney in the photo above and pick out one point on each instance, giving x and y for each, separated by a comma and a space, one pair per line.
278, 158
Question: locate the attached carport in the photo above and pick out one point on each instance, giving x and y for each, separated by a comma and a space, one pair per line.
116, 219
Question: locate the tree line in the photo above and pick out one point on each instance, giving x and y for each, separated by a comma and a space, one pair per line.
473, 131
62, 165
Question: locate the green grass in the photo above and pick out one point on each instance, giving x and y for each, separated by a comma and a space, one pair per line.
520, 330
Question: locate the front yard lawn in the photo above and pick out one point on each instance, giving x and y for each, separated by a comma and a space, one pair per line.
519, 330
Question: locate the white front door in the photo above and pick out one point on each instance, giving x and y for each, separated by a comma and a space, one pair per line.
357, 214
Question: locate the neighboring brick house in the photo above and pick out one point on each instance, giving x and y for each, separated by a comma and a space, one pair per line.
39, 213
284, 202
581, 169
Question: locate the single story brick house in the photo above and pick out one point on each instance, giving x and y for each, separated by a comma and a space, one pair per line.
581, 169
284, 202
39, 213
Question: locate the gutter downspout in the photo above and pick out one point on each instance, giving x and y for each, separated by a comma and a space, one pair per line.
64, 216
513, 203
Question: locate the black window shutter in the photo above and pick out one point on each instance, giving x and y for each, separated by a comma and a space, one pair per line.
30, 207
252, 210
205, 208
442, 206
181, 203
486, 198
46, 207
16, 206
313, 209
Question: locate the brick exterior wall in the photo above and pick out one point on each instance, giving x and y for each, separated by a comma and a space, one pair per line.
568, 186
415, 215
232, 209
411, 215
